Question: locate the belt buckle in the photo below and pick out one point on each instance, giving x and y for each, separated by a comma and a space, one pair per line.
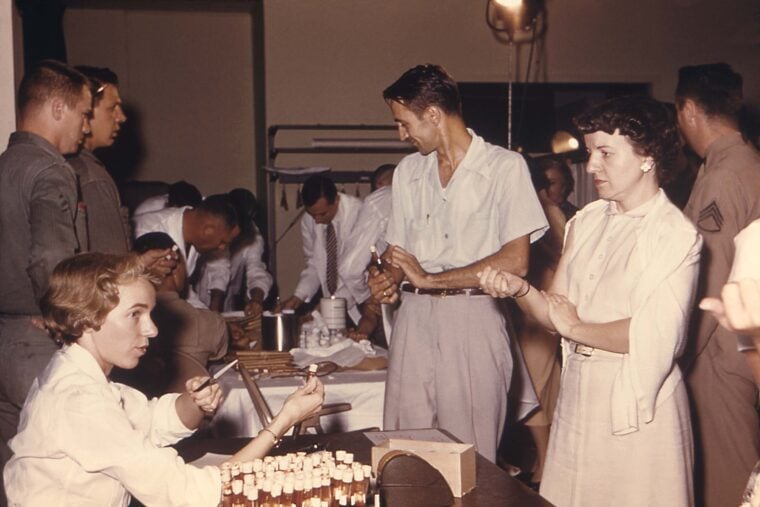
583, 350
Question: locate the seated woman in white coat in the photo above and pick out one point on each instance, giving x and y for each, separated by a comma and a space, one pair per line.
620, 300
86, 441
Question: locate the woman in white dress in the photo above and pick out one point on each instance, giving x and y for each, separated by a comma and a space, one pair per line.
620, 299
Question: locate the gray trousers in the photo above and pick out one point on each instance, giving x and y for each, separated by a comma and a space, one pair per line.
450, 367
24, 353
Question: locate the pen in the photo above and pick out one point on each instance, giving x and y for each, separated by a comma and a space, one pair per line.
216, 376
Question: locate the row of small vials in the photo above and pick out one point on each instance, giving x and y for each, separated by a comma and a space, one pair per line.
296, 480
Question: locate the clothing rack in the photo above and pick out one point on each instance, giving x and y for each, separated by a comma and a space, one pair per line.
331, 146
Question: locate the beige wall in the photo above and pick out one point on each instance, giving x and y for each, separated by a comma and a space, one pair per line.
327, 61
186, 76
9, 34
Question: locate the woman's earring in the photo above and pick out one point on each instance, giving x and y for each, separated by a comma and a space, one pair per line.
647, 165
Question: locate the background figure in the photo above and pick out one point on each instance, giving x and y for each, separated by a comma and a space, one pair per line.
723, 201
369, 230
326, 210
108, 229
38, 212
540, 347
250, 282
560, 184
181, 193
621, 433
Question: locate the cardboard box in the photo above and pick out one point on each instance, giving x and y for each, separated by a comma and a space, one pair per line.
456, 462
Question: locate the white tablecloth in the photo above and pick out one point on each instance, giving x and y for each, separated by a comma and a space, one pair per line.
364, 390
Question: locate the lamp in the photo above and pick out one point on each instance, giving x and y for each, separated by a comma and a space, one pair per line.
515, 22
563, 142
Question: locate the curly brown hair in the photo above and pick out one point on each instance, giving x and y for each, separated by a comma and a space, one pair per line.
649, 125
85, 288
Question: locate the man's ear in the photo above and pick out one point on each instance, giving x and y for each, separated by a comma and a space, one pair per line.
57, 108
433, 114
690, 111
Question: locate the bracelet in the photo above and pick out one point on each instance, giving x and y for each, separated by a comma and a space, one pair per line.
274, 436
516, 296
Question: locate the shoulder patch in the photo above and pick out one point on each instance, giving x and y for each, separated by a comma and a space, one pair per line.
710, 218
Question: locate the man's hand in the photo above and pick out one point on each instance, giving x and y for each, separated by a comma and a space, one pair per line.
160, 262
382, 286
255, 306
410, 265
738, 309
292, 303
238, 339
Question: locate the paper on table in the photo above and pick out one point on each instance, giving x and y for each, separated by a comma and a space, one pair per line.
427, 435
210, 459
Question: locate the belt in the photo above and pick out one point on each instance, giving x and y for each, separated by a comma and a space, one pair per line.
473, 291
583, 350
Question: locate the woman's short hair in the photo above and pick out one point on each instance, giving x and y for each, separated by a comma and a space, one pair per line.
649, 125
85, 288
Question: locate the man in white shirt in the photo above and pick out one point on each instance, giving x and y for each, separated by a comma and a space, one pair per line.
459, 205
250, 282
369, 230
204, 230
181, 193
325, 210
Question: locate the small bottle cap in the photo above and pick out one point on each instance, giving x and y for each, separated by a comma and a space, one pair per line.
237, 486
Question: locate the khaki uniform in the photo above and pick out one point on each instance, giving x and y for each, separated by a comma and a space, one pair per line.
724, 200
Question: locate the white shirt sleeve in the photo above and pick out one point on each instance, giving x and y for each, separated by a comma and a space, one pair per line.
257, 275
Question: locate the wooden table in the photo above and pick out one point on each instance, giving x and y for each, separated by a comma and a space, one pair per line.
494, 486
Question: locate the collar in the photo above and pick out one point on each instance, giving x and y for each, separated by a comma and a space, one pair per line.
85, 153
639, 211
23, 137
82, 358
720, 145
472, 161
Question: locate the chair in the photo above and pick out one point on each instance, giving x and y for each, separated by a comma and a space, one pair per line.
265, 413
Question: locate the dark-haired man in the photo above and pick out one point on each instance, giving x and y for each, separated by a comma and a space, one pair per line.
107, 219
459, 205
207, 230
325, 228
723, 201
38, 203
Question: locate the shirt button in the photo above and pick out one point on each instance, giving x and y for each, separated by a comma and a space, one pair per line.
601, 256
446, 236
590, 277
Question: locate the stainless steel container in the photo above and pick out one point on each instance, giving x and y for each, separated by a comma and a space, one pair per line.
279, 331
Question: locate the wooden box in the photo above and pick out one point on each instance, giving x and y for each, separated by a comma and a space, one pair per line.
455, 461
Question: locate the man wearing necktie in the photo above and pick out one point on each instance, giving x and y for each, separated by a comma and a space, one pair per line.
325, 228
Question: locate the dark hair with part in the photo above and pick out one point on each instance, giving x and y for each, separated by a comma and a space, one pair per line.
182, 193
246, 207
382, 176
424, 86
219, 205
649, 125
317, 186
98, 77
715, 87
153, 241
85, 288
49, 79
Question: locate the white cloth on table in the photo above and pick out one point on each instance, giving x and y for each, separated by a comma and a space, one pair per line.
746, 265
488, 202
314, 275
86, 441
621, 433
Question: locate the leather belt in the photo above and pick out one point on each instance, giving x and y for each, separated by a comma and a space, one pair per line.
474, 291
583, 350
